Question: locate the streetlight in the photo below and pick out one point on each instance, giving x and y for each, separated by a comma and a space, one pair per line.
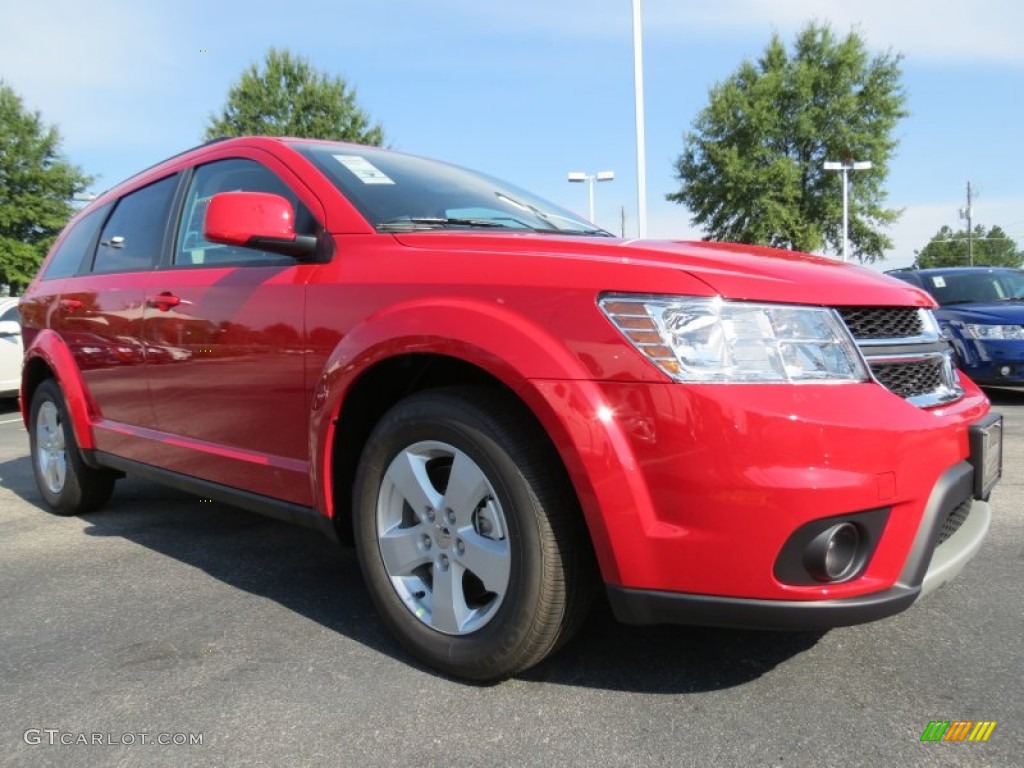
590, 178
638, 108
831, 165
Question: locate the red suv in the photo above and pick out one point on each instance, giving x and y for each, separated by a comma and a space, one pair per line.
501, 405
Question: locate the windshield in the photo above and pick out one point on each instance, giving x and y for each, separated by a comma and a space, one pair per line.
975, 287
403, 193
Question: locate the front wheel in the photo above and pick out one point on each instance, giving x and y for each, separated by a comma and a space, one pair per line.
468, 534
67, 484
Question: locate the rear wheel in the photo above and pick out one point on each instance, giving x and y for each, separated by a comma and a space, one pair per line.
66, 483
469, 535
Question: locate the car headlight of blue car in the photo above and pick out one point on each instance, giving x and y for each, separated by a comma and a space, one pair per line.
994, 332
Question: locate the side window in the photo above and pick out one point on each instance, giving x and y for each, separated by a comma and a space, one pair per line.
134, 233
76, 247
235, 175
11, 314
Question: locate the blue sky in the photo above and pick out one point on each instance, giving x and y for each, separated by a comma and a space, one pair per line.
528, 90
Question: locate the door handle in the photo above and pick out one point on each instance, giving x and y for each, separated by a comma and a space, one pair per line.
164, 301
70, 305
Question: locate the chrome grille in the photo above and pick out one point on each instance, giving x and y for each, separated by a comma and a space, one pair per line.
954, 520
910, 379
883, 322
906, 354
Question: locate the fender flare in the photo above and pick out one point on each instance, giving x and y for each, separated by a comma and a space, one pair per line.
49, 348
512, 349
508, 346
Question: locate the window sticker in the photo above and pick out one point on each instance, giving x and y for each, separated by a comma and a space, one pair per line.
939, 281
364, 170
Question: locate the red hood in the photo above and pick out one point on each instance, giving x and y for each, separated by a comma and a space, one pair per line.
731, 270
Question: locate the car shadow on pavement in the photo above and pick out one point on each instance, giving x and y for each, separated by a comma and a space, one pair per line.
313, 576
667, 659
298, 568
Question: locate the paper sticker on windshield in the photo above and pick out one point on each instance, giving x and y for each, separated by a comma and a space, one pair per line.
939, 281
364, 170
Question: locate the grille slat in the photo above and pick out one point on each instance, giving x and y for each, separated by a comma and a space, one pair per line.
910, 379
882, 322
917, 371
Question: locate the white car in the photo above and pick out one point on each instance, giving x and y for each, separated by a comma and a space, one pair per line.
10, 348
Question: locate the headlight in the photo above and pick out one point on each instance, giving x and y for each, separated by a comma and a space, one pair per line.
993, 332
712, 340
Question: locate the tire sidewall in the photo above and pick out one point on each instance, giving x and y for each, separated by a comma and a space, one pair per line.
48, 392
491, 651
84, 488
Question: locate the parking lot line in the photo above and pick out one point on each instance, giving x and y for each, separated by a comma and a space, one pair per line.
10, 421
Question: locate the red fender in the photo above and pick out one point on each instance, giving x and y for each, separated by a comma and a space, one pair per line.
516, 351
49, 347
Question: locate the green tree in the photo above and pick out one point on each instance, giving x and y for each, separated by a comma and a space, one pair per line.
287, 97
751, 168
986, 248
36, 189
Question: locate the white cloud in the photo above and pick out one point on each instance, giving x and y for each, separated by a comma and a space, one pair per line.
990, 30
915, 228
919, 223
934, 29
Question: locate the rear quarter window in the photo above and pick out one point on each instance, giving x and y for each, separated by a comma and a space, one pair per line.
75, 250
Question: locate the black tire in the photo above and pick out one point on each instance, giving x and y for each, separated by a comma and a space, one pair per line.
535, 581
66, 483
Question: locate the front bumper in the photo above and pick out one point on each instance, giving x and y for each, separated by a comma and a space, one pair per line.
991, 362
691, 494
930, 565
997, 374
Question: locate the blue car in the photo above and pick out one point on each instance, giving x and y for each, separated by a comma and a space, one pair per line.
982, 314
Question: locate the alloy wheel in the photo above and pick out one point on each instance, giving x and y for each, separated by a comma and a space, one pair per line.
443, 539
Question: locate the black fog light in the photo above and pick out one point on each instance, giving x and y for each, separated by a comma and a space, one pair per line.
834, 553
830, 549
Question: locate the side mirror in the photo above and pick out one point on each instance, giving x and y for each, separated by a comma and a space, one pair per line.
255, 220
10, 328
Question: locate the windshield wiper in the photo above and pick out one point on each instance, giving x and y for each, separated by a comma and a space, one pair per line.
548, 216
424, 223
413, 223
574, 232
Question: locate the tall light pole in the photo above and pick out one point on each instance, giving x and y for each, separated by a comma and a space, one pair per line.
831, 165
590, 178
638, 95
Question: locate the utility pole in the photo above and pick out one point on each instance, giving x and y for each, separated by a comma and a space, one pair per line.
968, 213
622, 222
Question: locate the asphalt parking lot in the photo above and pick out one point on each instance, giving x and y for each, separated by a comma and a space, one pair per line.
166, 618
